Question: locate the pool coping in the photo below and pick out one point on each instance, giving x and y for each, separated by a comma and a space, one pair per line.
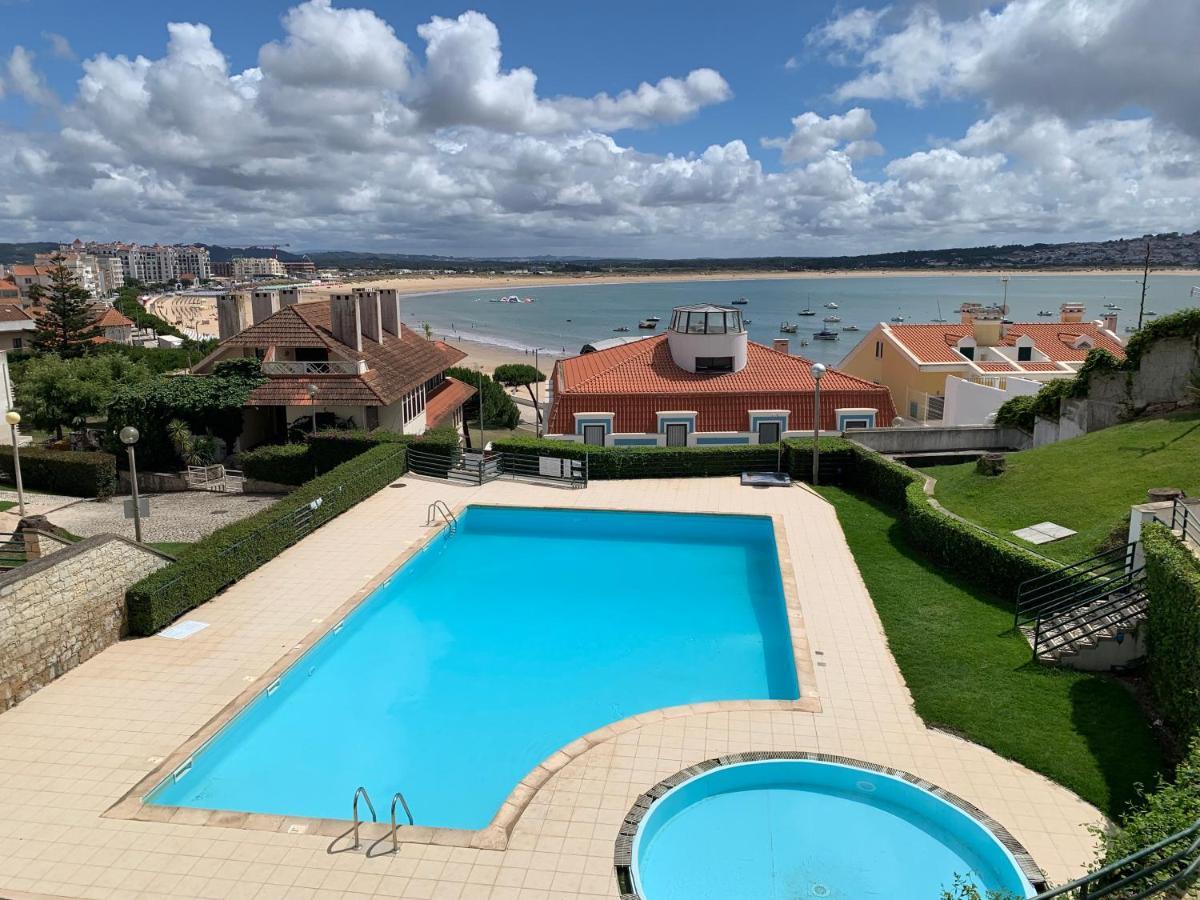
623, 848
495, 835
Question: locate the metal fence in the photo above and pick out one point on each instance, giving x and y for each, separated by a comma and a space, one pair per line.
475, 467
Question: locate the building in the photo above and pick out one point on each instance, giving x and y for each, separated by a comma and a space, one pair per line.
246, 268
26, 277
960, 373
9, 290
303, 268
348, 356
703, 383
156, 264
17, 327
116, 327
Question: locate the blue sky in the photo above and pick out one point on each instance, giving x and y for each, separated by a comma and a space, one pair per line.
917, 124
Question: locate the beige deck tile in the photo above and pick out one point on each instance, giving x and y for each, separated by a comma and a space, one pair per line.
72, 750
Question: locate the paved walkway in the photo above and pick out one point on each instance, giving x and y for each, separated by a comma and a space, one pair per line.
68, 753
176, 516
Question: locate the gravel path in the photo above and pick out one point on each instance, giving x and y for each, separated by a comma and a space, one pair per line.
183, 516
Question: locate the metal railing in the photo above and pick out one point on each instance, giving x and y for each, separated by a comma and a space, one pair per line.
439, 506
325, 367
479, 468
1172, 863
399, 797
1185, 521
13, 550
1077, 601
362, 792
216, 478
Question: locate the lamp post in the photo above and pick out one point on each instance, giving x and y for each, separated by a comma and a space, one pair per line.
13, 418
312, 398
1004, 305
482, 442
537, 401
129, 436
818, 370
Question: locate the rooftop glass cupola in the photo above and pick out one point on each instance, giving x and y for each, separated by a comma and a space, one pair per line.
707, 339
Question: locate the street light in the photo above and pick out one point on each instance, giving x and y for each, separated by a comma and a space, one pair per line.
13, 418
818, 370
537, 387
312, 398
129, 436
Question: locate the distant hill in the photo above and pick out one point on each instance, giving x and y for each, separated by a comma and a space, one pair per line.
1168, 250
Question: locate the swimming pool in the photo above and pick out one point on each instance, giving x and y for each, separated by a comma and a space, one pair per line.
494, 647
811, 827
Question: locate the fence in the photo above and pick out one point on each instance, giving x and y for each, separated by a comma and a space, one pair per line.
480, 468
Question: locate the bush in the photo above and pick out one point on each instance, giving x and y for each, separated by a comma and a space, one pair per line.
1170, 808
232, 552
1018, 413
1173, 620
69, 472
609, 463
281, 463
1184, 323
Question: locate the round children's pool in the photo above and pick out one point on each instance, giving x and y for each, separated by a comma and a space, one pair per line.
803, 828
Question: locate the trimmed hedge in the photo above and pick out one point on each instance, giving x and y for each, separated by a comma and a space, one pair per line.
232, 552
1173, 583
613, 463
280, 463
71, 472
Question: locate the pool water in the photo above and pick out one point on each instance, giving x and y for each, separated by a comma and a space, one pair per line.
496, 646
801, 828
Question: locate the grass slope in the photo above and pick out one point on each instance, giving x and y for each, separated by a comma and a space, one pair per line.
969, 673
1087, 483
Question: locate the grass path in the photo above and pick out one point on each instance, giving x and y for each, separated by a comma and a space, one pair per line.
969, 673
1087, 483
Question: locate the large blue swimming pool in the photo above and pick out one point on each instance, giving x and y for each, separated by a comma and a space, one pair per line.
496, 646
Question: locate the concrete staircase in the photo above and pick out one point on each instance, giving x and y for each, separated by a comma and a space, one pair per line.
1095, 636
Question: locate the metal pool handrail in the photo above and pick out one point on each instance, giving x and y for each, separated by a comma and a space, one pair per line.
362, 792
399, 796
439, 506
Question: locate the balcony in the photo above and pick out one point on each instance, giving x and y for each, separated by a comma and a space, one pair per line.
326, 367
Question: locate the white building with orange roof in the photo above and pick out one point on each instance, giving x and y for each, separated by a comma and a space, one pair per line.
960, 373
703, 383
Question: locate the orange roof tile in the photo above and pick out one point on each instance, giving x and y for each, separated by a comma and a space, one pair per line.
444, 400
935, 343
635, 381
12, 312
112, 317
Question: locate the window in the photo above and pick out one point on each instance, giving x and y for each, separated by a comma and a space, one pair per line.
847, 424
18, 343
968, 351
879, 349
312, 354
593, 435
1024, 354
714, 363
677, 435
768, 432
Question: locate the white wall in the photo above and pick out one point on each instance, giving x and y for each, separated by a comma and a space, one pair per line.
968, 403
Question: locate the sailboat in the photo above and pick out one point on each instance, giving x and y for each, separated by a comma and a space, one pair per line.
808, 310
940, 318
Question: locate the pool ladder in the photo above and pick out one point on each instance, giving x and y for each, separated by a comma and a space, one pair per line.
439, 506
396, 798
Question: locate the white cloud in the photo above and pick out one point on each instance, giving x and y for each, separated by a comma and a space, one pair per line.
813, 136
59, 45
343, 136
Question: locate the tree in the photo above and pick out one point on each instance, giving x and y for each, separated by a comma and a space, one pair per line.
65, 326
52, 392
499, 411
521, 375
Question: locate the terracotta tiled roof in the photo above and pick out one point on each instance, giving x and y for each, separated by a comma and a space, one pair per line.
394, 367
636, 381
1040, 366
112, 317
11, 312
935, 343
445, 399
8, 288
27, 271
996, 366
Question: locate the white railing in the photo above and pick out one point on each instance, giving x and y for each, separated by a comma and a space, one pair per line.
993, 381
329, 367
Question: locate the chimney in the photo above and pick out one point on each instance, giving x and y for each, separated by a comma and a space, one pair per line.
1108, 322
1071, 312
263, 304
344, 320
780, 345
987, 328
369, 315
389, 310
233, 314
289, 297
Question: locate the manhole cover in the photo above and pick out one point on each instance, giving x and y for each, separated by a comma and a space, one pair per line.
399, 484
219, 512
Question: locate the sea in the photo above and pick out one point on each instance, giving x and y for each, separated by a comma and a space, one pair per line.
563, 318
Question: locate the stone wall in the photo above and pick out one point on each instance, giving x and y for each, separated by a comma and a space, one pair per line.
59, 610
943, 439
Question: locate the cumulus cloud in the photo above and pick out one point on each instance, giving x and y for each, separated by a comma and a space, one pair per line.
342, 135
1073, 59
814, 136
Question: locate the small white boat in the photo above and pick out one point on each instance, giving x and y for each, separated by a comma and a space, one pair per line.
1151, 312
622, 328
740, 301
806, 312
1045, 312
788, 328
832, 319
831, 305
825, 335
897, 318
648, 324
803, 342
849, 328
653, 318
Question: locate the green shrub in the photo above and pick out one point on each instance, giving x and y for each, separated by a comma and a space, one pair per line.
1168, 809
232, 552
1018, 413
1173, 620
280, 463
332, 448
69, 472
1184, 323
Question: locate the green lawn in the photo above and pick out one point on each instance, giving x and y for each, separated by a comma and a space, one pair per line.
969, 673
7, 505
173, 548
1087, 483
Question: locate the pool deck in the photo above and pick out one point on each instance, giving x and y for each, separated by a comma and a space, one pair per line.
70, 752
